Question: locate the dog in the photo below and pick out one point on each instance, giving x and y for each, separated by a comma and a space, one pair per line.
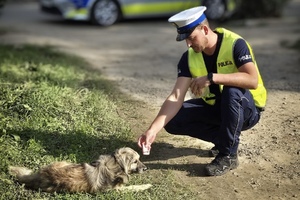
106, 173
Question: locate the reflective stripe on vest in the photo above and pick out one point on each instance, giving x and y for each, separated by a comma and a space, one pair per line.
145, 7
225, 65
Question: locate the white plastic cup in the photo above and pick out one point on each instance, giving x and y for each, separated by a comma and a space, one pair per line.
146, 150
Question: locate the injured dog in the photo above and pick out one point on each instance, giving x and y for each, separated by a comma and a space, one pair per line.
108, 172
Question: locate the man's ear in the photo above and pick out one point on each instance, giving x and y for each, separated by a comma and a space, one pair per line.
205, 29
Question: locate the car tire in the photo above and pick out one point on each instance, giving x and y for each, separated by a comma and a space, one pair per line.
105, 12
216, 9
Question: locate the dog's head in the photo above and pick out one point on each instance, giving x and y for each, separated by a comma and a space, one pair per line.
114, 169
129, 160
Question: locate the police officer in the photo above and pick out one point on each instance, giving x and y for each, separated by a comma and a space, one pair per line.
220, 69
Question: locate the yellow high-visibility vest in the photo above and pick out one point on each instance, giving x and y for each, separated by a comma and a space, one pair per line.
225, 65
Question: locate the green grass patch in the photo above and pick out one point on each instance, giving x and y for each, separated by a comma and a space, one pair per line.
54, 107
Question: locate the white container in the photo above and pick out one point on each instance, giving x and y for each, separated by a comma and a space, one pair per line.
146, 150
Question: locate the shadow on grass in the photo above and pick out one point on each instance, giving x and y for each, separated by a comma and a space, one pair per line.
164, 151
193, 170
84, 147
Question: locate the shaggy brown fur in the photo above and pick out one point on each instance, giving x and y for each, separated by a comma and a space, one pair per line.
107, 172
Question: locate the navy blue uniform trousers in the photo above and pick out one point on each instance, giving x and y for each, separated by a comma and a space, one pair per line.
220, 123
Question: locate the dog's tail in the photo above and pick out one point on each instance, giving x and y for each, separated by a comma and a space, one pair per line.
23, 174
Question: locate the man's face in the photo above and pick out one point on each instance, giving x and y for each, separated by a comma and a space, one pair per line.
197, 40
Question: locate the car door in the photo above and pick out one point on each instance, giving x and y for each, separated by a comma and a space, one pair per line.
139, 8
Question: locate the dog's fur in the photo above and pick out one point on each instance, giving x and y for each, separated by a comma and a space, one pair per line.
107, 172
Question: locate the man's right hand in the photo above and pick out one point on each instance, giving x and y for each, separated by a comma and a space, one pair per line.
147, 139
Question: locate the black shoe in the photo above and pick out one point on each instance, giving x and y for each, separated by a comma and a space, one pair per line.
221, 165
213, 152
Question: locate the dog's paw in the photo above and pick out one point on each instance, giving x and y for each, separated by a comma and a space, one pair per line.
136, 187
144, 186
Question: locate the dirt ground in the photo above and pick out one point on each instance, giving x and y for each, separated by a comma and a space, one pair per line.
141, 56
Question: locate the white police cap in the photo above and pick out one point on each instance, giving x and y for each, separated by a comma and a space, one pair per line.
186, 21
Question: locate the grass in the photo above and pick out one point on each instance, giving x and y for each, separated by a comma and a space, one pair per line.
53, 107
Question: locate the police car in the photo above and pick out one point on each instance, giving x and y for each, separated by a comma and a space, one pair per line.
108, 12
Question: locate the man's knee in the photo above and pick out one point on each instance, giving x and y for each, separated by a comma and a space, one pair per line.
169, 127
172, 127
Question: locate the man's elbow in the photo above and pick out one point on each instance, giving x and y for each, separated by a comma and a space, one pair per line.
254, 87
254, 84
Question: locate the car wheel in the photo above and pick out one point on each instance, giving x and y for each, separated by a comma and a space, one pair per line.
105, 12
216, 9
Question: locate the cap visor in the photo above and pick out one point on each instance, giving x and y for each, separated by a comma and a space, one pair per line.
185, 35
182, 36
